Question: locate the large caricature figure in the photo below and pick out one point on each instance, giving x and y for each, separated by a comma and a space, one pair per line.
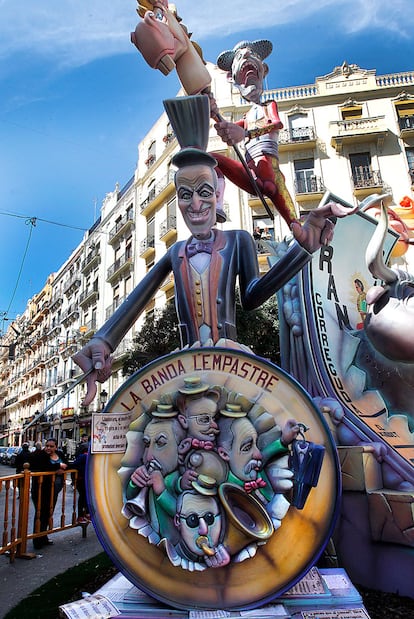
207, 266
259, 127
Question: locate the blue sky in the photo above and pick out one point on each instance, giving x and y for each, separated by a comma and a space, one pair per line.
76, 98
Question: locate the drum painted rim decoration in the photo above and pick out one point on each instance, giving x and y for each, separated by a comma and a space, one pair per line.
269, 397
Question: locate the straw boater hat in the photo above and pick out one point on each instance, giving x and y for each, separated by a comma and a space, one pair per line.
164, 411
204, 484
233, 410
193, 386
262, 48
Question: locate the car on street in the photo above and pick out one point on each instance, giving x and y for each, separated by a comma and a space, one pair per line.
10, 455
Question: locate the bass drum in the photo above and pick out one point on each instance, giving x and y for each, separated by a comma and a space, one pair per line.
244, 385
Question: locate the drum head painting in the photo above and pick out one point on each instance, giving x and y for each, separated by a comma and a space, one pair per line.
220, 487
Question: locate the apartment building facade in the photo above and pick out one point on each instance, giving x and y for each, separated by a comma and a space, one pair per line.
351, 132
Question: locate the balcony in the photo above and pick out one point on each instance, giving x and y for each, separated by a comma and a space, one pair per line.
309, 188
123, 349
366, 181
168, 229
121, 227
147, 247
357, 130
299, 138
40, 313
52, 357
88, 329
158, 194
71, 314
54, 330
120, 266
168, 283
68, 349
406, 124
91, 261
72, 284
89, 296
38, 337
150, 160
56, 301
10, 401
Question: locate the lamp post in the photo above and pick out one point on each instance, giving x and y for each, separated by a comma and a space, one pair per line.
103, 396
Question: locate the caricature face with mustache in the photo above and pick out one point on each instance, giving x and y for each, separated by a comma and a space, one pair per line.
244, 455
200, 419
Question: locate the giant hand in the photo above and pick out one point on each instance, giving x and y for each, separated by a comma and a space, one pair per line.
318, 228
230, 133
95, 356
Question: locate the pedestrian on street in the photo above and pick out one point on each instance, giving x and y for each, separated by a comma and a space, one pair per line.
21, 458
80, 465
84, 440
44, 492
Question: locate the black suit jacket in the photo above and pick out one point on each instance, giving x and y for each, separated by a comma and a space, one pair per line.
233, 256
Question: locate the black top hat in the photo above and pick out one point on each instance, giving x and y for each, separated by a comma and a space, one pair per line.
261, 47
190, 120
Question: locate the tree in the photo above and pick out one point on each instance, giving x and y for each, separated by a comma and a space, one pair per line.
159, 335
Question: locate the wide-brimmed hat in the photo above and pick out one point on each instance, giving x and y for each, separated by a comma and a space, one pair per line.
372, 200
261, 47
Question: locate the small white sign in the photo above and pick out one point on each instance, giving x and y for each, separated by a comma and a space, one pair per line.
109, 432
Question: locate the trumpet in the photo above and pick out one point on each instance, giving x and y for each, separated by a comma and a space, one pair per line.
138, 505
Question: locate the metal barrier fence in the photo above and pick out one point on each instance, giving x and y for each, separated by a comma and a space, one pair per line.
20, 513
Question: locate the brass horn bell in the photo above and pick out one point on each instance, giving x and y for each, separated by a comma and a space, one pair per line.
247, 519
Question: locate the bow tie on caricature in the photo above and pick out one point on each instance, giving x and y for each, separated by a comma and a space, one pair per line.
199, 247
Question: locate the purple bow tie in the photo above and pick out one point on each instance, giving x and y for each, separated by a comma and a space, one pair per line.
198, 247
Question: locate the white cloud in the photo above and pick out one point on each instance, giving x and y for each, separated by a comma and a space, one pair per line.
75, 32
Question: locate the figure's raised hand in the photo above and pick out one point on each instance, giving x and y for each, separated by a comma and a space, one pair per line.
230, 133
290, 431
140, 477
319, 225
94, 357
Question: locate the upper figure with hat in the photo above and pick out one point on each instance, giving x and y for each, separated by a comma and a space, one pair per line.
245, 67
209, 263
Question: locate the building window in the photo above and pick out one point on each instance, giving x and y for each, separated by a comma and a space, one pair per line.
360, 168
150, 154
299, 127
405, 112
351, 112
304, 175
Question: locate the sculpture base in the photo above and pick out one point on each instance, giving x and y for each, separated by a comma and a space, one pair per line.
322, 593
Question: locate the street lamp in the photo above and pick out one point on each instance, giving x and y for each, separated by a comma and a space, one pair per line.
103, 398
